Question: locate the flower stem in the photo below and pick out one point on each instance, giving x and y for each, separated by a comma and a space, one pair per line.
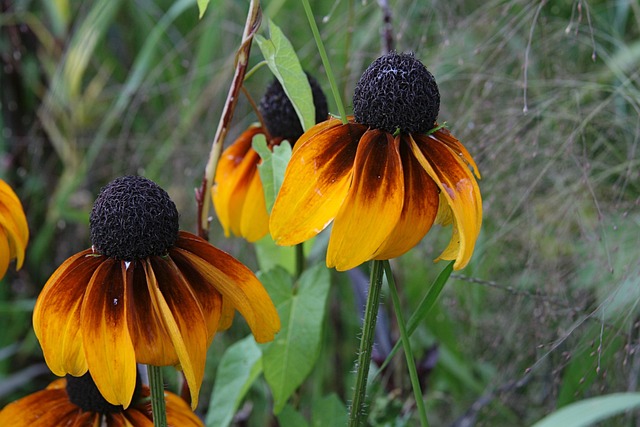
299, 259
356, 414
406, 344
158, 407
325, 60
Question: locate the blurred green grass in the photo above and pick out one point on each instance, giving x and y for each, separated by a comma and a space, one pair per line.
546, 313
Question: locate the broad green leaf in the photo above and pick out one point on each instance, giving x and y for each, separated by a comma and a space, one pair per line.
285, 66
589, 411
239, 367
202, 7
288, 417
329, 411
272, 167
271, 255
289, 359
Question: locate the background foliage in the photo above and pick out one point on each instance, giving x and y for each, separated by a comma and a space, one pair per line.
544, 94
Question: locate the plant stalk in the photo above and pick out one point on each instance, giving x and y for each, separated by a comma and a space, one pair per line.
357, 414
406, 344
158, 406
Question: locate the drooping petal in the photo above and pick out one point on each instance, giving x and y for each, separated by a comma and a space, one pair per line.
119, 419
56, 315
45, 408
200, 261
13, 219
254, 219
5, 252
452, 142
316, 182
235, 170
150, 338
182, 317
226, 317
105, 331
178, 412
373, 205
418, 210
460, 189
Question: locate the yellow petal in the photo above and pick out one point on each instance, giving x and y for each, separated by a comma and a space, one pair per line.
418, 210
105, 331
459, 188
13, 219
200, 261
183, 319
150, 338
228, 312
178, 412
5, 252
254, 219
56, 315
316, 181
456, 146
236, 168
45, 408
373, 205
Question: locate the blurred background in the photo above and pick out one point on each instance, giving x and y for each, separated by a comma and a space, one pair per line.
544, 94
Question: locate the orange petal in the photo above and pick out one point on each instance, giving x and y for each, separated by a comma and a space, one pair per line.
418, 210
456, 146
178, 412
227, 315
56, 315
254, 219
105, 331
200, 261
5, 252
316, 181
182, 317
373, 206
148, 334
45, 408
236, 168
14, 222
460, 190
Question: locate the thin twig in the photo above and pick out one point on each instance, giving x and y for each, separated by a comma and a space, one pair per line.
386, 32
242, 61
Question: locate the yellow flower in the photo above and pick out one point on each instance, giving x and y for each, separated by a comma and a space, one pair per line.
14, 232
144, 293
76, 402
384, 177
238, 196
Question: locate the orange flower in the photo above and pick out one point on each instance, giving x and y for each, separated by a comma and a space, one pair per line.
384, 177
238, 196
144, 293
14, 232
77, 402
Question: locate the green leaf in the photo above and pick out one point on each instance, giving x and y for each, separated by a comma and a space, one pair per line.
288, 417
272, 167
589, 411
202, 7
289, 359
239, 367
329, 411
285, 66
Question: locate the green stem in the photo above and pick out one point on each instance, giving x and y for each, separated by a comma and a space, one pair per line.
325, 61
158, 407
406, 344
299, 259
356, 414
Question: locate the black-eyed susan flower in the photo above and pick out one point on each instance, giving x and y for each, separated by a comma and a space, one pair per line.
75, 401
384, 177
144, 293
14, 232
238, 196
